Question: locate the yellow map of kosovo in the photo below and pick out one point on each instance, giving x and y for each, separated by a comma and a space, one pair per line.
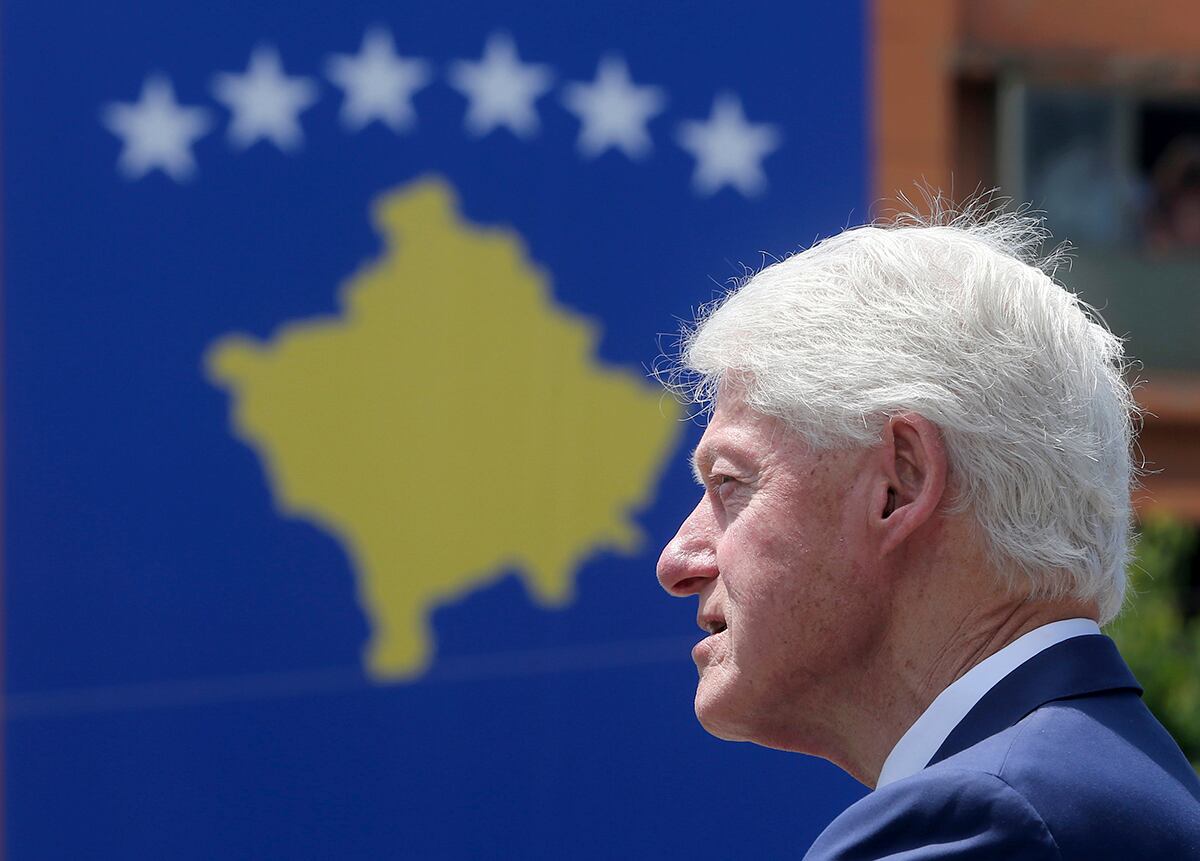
450, 425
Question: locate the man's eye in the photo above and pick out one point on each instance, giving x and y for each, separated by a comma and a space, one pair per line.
722, 484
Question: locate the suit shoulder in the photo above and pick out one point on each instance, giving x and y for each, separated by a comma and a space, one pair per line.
1103, 776
938, 813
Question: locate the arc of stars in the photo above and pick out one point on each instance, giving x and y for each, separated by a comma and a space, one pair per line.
378, 85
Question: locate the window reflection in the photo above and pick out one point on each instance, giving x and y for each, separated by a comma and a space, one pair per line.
1118, 175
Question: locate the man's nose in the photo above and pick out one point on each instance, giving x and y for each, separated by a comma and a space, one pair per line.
689, 561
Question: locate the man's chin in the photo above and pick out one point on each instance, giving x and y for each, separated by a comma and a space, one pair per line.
714, 713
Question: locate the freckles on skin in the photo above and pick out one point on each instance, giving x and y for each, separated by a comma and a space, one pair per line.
818, 546
784, 538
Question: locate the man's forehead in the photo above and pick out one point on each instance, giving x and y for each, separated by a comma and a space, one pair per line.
743, 434
739, 433
731, 409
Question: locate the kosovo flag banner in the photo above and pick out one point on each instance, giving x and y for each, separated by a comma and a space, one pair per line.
334, 471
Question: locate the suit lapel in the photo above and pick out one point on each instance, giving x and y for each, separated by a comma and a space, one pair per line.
1075, 667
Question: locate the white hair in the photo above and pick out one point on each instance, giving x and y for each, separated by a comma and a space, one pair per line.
953, 317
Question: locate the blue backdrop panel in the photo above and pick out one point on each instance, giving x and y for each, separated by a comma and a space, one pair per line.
183, 674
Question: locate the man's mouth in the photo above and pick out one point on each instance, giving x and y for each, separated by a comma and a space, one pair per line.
715, 627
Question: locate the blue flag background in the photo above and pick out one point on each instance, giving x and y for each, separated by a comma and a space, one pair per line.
184, 673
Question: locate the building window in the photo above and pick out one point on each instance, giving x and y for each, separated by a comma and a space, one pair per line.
1118, 175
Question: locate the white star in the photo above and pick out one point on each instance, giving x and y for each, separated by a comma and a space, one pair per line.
613, 111
265, 102
156, 131
379, 84
501, 89
728, 150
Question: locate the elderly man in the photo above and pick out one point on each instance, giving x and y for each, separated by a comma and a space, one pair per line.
915, 516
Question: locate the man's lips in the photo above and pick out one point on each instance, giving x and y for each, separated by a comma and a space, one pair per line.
712, 623
703, 652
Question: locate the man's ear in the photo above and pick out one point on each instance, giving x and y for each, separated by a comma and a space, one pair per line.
912, 472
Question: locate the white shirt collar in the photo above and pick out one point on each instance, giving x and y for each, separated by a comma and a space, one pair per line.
917, 746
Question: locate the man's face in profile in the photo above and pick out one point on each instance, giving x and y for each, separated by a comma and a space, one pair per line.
772, 552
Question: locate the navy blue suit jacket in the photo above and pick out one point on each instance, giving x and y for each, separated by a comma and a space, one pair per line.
1060, 760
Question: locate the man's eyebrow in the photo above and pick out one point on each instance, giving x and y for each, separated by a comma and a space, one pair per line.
709, 452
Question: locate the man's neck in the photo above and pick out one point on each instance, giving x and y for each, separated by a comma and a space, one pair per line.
921, 658
923, 741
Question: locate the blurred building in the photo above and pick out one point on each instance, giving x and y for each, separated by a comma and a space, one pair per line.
1091, 112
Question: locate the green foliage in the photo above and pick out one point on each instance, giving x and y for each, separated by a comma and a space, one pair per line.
1159, 634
